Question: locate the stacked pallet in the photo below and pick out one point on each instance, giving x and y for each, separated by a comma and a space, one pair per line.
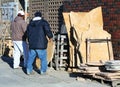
90, 68
109, 70
101, 72
108, 75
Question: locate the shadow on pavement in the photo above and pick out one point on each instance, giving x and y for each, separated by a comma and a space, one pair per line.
75, 74
8, 60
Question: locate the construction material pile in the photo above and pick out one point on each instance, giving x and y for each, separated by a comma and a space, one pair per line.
89, 42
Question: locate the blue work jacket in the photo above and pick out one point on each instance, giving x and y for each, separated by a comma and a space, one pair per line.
37, 33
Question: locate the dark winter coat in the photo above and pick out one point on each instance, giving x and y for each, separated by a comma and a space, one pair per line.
37, 33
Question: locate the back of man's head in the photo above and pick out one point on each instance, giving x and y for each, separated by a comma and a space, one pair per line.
38, 14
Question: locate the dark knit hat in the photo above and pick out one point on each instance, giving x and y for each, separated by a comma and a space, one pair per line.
37, 14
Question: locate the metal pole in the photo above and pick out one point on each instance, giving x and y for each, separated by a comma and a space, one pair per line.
26, 3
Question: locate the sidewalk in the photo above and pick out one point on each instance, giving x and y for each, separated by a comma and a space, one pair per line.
10, 77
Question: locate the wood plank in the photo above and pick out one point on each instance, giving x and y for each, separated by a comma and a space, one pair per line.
108, 74
89, 68
95, 64
50, 53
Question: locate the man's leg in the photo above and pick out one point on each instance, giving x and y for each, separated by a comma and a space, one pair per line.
16, 55
31, 57
25, 53
42, 54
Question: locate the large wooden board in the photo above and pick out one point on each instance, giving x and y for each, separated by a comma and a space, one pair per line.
100, 51
87, 25
50, 53
71, 47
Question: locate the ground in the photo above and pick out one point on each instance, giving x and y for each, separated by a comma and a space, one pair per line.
10, 77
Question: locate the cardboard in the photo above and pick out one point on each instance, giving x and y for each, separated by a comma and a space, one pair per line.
50, 54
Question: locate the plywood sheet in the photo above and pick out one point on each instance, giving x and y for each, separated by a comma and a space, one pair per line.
66, 17
50, 53
96, 18
79, 20
88, 25
74, 37
101, 51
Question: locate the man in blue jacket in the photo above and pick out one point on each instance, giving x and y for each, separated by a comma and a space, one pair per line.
37, 32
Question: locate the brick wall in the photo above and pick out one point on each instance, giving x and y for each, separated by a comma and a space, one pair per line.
111, 17
51, 11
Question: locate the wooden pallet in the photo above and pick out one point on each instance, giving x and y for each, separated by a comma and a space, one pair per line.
106, 77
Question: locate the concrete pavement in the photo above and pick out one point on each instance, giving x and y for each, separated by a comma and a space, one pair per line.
10, 77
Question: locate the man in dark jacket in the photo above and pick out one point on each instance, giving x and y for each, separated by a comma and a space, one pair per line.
37, 31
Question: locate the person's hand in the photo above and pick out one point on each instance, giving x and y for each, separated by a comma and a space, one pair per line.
51, 39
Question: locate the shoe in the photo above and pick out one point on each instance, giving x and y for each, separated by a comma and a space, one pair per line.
18, 67
43, 73
32, 73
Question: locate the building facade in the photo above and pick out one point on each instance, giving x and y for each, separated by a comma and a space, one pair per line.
9, 9
51, 11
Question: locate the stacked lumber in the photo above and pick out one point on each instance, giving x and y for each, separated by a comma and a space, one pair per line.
100, 71
89, 70
95, 72
108, 75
